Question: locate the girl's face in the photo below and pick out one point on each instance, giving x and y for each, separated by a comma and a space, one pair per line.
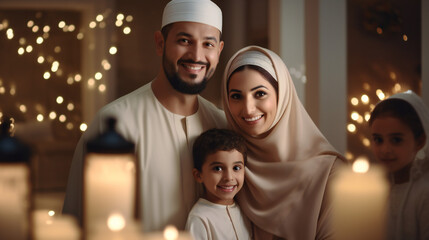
252, 101
393, 143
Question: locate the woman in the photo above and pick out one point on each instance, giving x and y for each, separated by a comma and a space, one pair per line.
289, 162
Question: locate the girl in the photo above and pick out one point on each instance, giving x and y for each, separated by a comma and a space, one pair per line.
399, 128
289, 160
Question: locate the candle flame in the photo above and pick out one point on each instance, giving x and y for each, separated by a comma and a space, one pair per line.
171, 232
116, 222
361, 165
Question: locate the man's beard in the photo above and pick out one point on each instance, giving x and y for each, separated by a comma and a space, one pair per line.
178, 84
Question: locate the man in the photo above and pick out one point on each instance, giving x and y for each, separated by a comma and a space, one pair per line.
164, 117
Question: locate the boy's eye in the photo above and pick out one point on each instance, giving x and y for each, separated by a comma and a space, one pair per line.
237, 168
217, 168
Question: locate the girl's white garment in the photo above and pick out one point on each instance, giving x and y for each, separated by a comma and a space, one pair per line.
409, 202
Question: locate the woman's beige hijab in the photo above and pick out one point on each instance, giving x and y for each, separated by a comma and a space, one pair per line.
288, 169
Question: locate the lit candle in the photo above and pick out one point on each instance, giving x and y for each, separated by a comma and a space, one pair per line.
109, 187
116, 228
14, 201
15, 186
359, 202
109, 179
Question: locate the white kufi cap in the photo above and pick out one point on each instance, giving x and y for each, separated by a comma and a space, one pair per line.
200, 11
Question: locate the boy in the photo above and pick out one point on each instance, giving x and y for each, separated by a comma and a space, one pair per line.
219, 159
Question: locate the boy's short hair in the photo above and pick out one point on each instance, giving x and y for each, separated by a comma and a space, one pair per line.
214, 140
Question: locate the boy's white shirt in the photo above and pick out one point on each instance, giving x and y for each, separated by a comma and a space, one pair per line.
213, 221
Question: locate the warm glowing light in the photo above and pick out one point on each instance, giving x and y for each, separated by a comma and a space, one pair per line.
397, 87
57, 49
21, 51
61, 24
70, 106
69, 126
361, 165
113, 50
30, 23
98, 76
70, 80
119, 23
52, 115
39, 117
366, 142
46, 29
99, 18
366, 86
354, 101
62, 118
380, 94
77, 77
106, 65
379, 30
40, 59
71, 28
102, 25
29, 48
46, 75
51, 213
129, 18
351, 127
349, 156
92, 24
2, 90
367, 116
55, 66
405, 37
79, 36
127, 30
354, 115
39, 40
171, 232
12, 90
22, 41
91, 82
364, 98
22, 108
116, 222
35, 29
120, 16
60, 99
9, 33
102, 88
392, 75
83, 127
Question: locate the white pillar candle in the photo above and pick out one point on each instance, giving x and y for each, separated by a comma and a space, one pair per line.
359, 202
109, 188
14, 201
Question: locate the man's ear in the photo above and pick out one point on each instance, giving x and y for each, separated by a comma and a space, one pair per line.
197, 175
159, 43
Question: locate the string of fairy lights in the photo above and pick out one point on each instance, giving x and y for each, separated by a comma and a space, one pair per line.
54, 67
